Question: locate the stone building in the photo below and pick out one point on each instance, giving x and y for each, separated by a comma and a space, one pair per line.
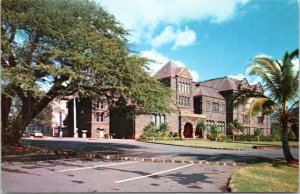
227, 87
192, 101
92, 117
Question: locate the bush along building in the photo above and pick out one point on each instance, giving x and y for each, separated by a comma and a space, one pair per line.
191, 101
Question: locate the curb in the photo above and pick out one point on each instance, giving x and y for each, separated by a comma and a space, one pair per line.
71, 153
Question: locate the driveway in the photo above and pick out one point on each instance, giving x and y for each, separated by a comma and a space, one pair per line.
148, 150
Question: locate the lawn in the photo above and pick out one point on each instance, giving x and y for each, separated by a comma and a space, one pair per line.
208, 144
213, 144
279, 143
272, 176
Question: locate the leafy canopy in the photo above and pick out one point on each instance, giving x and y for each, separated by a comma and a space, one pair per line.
57, 48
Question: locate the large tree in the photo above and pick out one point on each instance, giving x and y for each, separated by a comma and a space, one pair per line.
56, 48
281, 85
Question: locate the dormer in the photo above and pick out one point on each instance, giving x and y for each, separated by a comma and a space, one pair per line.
258, 88
244, 85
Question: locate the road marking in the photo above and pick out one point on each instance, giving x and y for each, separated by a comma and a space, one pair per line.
161, 172
91, 167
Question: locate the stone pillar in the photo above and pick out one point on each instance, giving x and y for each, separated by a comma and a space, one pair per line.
194, 133
181, 131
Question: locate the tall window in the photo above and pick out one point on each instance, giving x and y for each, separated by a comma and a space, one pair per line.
97, 116
260, 120
246, 119
180, 86
158, 119
99, 104
102, 117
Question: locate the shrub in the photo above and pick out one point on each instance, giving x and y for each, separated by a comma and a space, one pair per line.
150, 129
215, 131
222, 137
276, 132
164, 127
258, 133
152, 132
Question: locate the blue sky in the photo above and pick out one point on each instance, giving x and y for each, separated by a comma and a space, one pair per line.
212, 38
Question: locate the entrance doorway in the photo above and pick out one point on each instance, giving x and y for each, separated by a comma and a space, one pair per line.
188, 130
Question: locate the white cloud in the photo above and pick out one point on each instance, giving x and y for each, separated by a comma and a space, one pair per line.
251, 79
195, 75
184, 38
143, 17
160, 60
180, 38
164, 37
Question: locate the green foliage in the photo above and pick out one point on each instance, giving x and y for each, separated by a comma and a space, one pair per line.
70, 47
215, 131
258, 133
223, 138
282, 83
276, 131
151, 132
44, 117
291, 135
164, 127
150, 129
200, 126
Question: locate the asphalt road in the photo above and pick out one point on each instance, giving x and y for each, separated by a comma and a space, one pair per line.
147, 150
74, 175
95, 175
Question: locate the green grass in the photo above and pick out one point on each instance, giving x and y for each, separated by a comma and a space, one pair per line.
210, 144
265, 177
279, 143
213, 144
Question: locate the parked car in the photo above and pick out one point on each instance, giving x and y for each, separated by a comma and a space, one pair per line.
37, 134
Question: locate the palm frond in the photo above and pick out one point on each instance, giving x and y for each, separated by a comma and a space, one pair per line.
257, 105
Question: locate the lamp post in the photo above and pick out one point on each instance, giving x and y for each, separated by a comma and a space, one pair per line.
75, 119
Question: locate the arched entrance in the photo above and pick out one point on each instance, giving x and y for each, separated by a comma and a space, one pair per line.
188, 130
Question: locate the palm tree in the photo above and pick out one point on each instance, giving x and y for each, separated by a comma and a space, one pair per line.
281, 83
200, 128
234, 127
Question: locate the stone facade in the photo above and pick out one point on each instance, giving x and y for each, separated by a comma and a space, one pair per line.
209, 100
91, 115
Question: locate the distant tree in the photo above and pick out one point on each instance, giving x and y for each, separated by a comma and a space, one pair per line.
215, 131
234, 128
44, 117
57, 48
275, 131
282, 83
201, 127
258, 133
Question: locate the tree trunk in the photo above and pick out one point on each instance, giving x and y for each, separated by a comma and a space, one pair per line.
285, 144
11, 135
5, 109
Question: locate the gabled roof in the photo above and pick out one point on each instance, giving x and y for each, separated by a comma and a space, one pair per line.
223, 84
228, 83
201, 90
171, 70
